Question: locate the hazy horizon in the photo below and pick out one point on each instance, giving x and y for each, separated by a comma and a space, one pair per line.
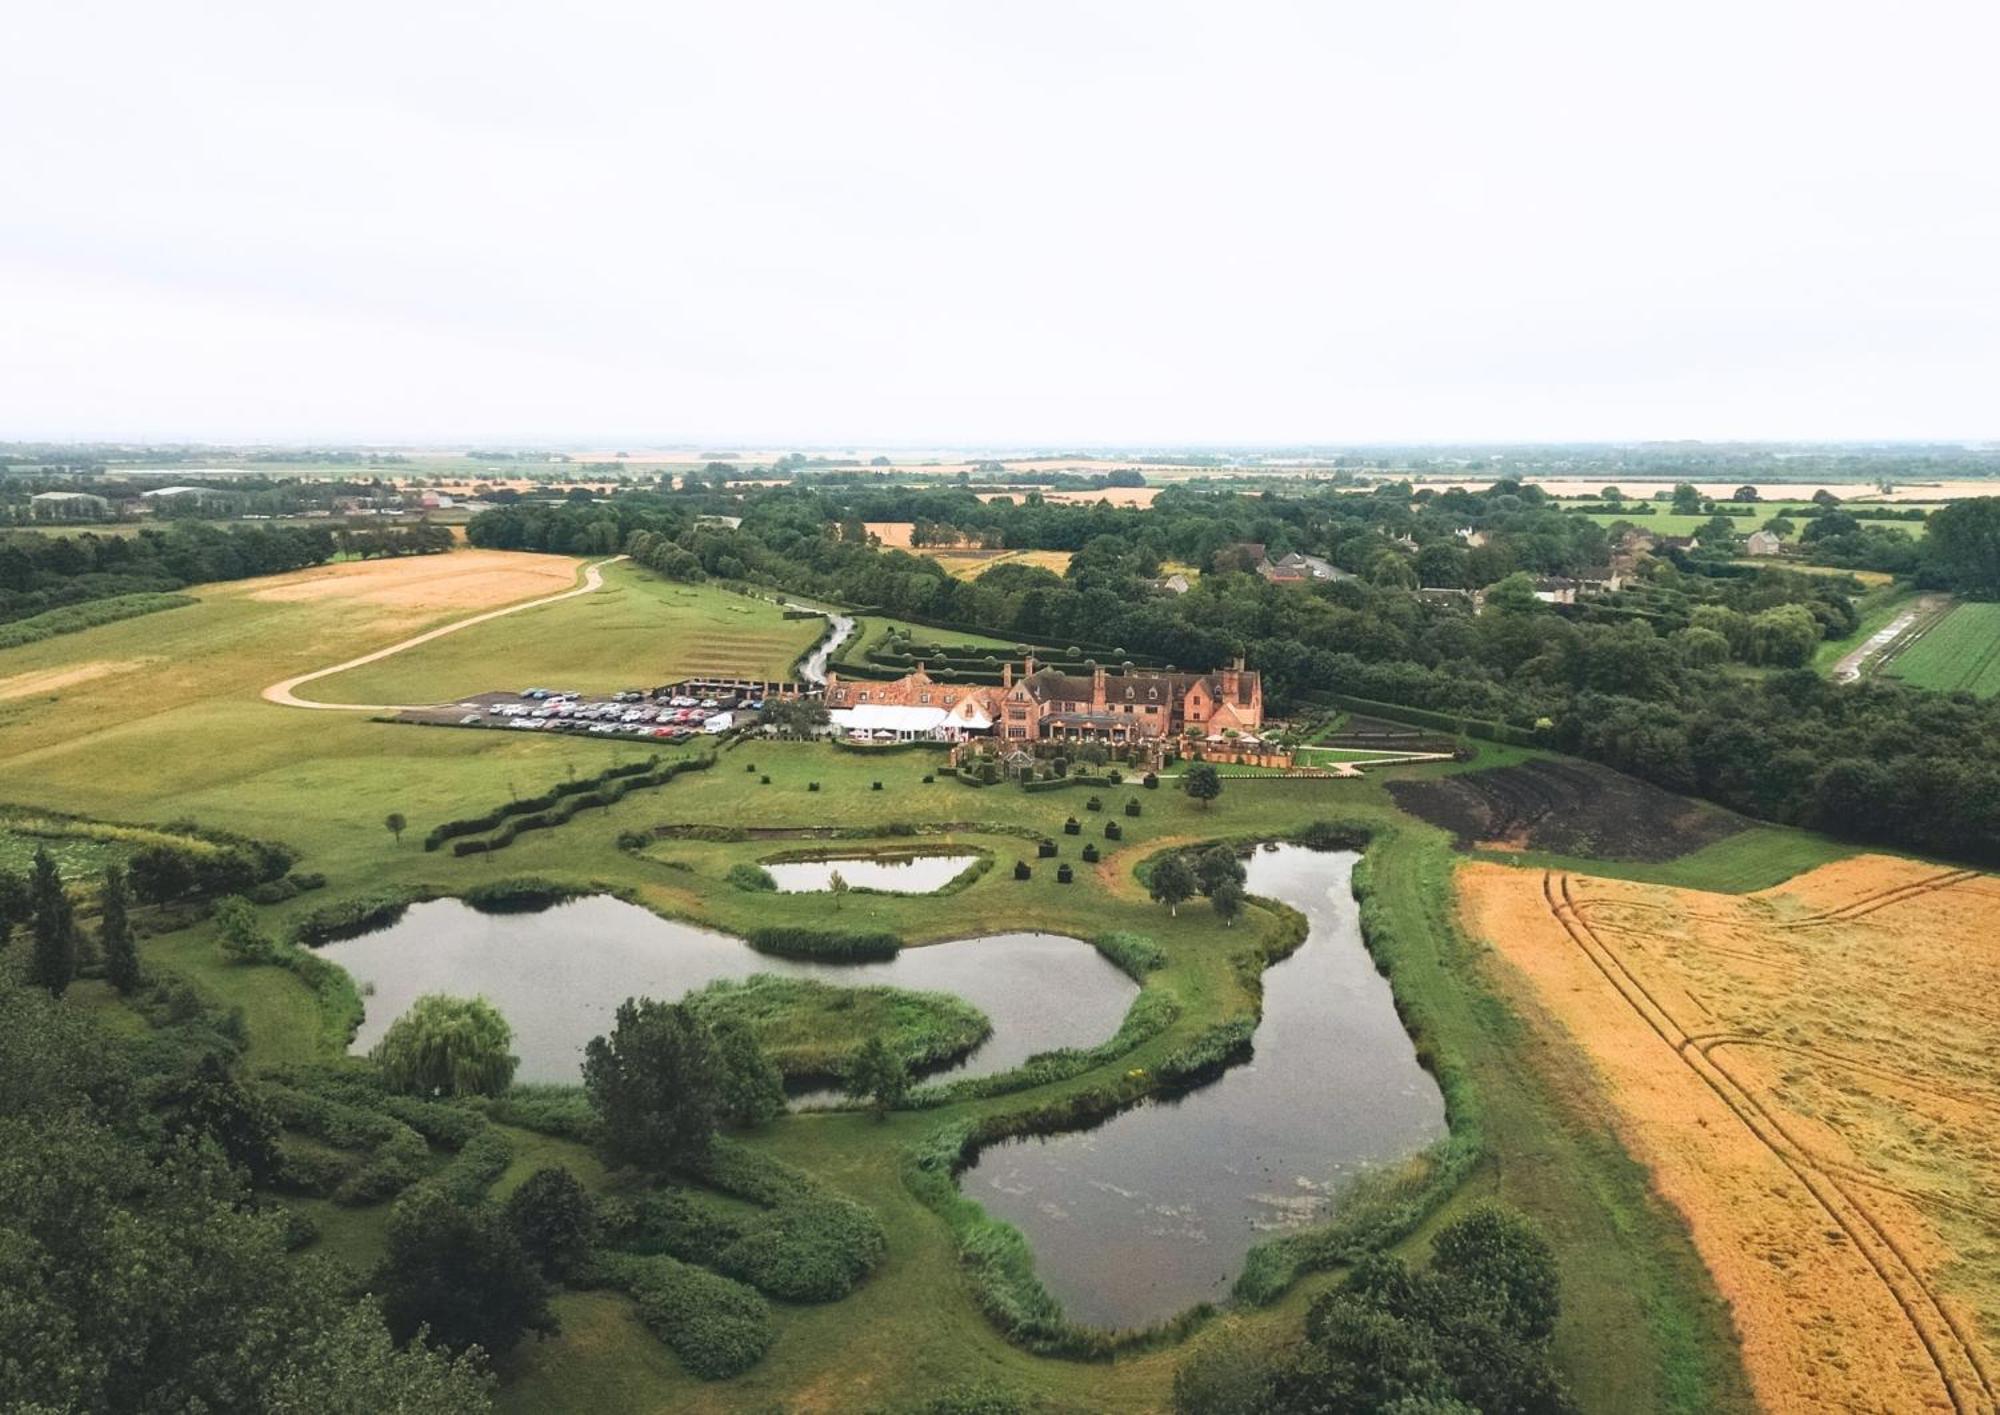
1037, 227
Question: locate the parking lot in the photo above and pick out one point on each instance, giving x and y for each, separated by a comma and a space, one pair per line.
626, 715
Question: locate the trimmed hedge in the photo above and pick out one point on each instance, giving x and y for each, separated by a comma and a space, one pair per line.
567, 804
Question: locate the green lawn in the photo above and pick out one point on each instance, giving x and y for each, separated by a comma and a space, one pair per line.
175, 728
637, 631
1960, 652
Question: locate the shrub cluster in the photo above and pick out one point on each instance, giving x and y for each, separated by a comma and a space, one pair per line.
347, 918
717, 1327
825, 945
523, 894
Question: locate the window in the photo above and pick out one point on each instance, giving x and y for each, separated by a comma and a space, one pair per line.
864, 695
923, 697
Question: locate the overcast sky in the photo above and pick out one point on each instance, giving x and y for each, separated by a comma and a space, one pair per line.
840, 222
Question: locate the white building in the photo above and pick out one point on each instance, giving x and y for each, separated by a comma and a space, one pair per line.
887, 722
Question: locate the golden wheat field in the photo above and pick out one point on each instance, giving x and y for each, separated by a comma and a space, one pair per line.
1812, 1075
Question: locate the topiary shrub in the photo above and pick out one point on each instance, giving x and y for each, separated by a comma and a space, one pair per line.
1090, 854
1132, 807
1046, 850
1113, 831
875, 786
1064, 874
812, 786
763, 781
1114, 776
1095, 803
1072, 826
1151, 781
928, 779
749, 766
1021, 870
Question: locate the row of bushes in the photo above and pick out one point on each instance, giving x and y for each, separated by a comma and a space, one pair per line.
88, 615
474, 825
824, 945
568, 805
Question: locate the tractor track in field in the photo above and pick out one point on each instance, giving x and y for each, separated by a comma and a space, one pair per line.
1952, 1351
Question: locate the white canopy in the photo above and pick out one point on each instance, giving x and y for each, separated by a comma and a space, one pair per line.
884, 717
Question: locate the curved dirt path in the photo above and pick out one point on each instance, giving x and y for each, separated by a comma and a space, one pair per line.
283, 694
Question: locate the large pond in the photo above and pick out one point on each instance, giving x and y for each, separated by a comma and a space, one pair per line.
1154, 1211
558, 977
913, 874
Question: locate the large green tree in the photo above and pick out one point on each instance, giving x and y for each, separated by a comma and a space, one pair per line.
447, 1046
459, 1272
653, 1083
139, 1276
53, 963
1962, 545
1173, 882
114, 933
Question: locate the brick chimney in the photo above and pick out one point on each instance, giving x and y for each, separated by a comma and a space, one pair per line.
1097, 688
1006, 675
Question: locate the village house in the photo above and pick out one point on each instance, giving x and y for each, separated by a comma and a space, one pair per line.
1764, 543
1296, 569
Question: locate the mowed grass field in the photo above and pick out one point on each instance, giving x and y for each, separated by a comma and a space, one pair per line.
1809, 1072
150, 720
1958, 653
637, 631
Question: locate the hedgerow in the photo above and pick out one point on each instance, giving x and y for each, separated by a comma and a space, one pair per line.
88, 615
560, 805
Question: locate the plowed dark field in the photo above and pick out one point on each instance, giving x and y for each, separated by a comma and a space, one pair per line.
1567, 808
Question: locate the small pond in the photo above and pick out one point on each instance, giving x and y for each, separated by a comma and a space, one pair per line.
1153, 1211
558, 977
913, 874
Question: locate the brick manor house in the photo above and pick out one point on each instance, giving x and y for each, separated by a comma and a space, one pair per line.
1042, 705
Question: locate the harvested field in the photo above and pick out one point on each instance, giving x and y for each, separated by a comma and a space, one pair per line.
891, 533
1811, 1076
464, 579
971, 564
1566, 808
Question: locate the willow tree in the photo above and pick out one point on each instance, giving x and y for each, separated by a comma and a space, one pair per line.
447, 1046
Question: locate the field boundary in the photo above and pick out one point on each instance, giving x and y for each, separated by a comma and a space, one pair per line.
285, 694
